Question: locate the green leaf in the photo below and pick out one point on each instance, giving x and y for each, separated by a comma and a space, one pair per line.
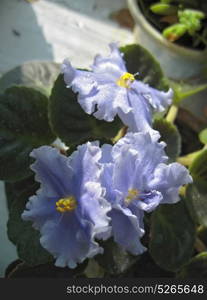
172, 236
163, 9
196, 268
198, 170
20, 232
202, 234
37, 74
94, 270
70, 122
14, 190
197, 204
19, 269
188, 126
191, 19
145, 267
174, 32
115, 260
203, 136
24, 125
138, 59
170, 135
183, 90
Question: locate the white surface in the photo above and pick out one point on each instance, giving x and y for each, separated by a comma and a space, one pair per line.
53, 30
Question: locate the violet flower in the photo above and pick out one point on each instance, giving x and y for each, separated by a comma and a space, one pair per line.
137, 179
69, 209
109, 90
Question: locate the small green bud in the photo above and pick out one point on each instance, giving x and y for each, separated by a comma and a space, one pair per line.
174, 32
163, 9
191, 19
203, 136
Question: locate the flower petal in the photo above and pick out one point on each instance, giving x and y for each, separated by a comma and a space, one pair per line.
148, 203
96, 92
69, 235
100, 94
168, 179
94, 207
39, 209
113, 65
107, 171
82, 82
52, 171
157, 100
84, 163
110, 101
150, 151
126, 229
124, 170
70, 240
140, 116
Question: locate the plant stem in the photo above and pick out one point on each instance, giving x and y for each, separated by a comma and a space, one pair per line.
120, 134
188, 159
200, 246
172, 114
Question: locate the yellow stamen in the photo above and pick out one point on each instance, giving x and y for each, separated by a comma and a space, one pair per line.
125, 80
66, 204
132, 194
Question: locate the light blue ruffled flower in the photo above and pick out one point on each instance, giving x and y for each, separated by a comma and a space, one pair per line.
69, 209
137, 179
109, 90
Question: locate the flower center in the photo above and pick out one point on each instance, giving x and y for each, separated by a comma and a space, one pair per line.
125, 80
132, 194
66, 204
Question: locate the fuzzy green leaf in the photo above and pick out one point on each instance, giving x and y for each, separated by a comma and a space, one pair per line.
115, 260
203, 136
20, 232
196, 268
70, 122
138, 59
198, 170
24, 125
197, 203
170, 135
172, 236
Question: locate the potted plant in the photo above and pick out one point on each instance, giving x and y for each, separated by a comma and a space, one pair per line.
175, 31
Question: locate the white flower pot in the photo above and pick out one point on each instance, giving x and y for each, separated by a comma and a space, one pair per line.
177, 62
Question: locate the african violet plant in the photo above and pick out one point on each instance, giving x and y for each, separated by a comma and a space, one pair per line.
115, 196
